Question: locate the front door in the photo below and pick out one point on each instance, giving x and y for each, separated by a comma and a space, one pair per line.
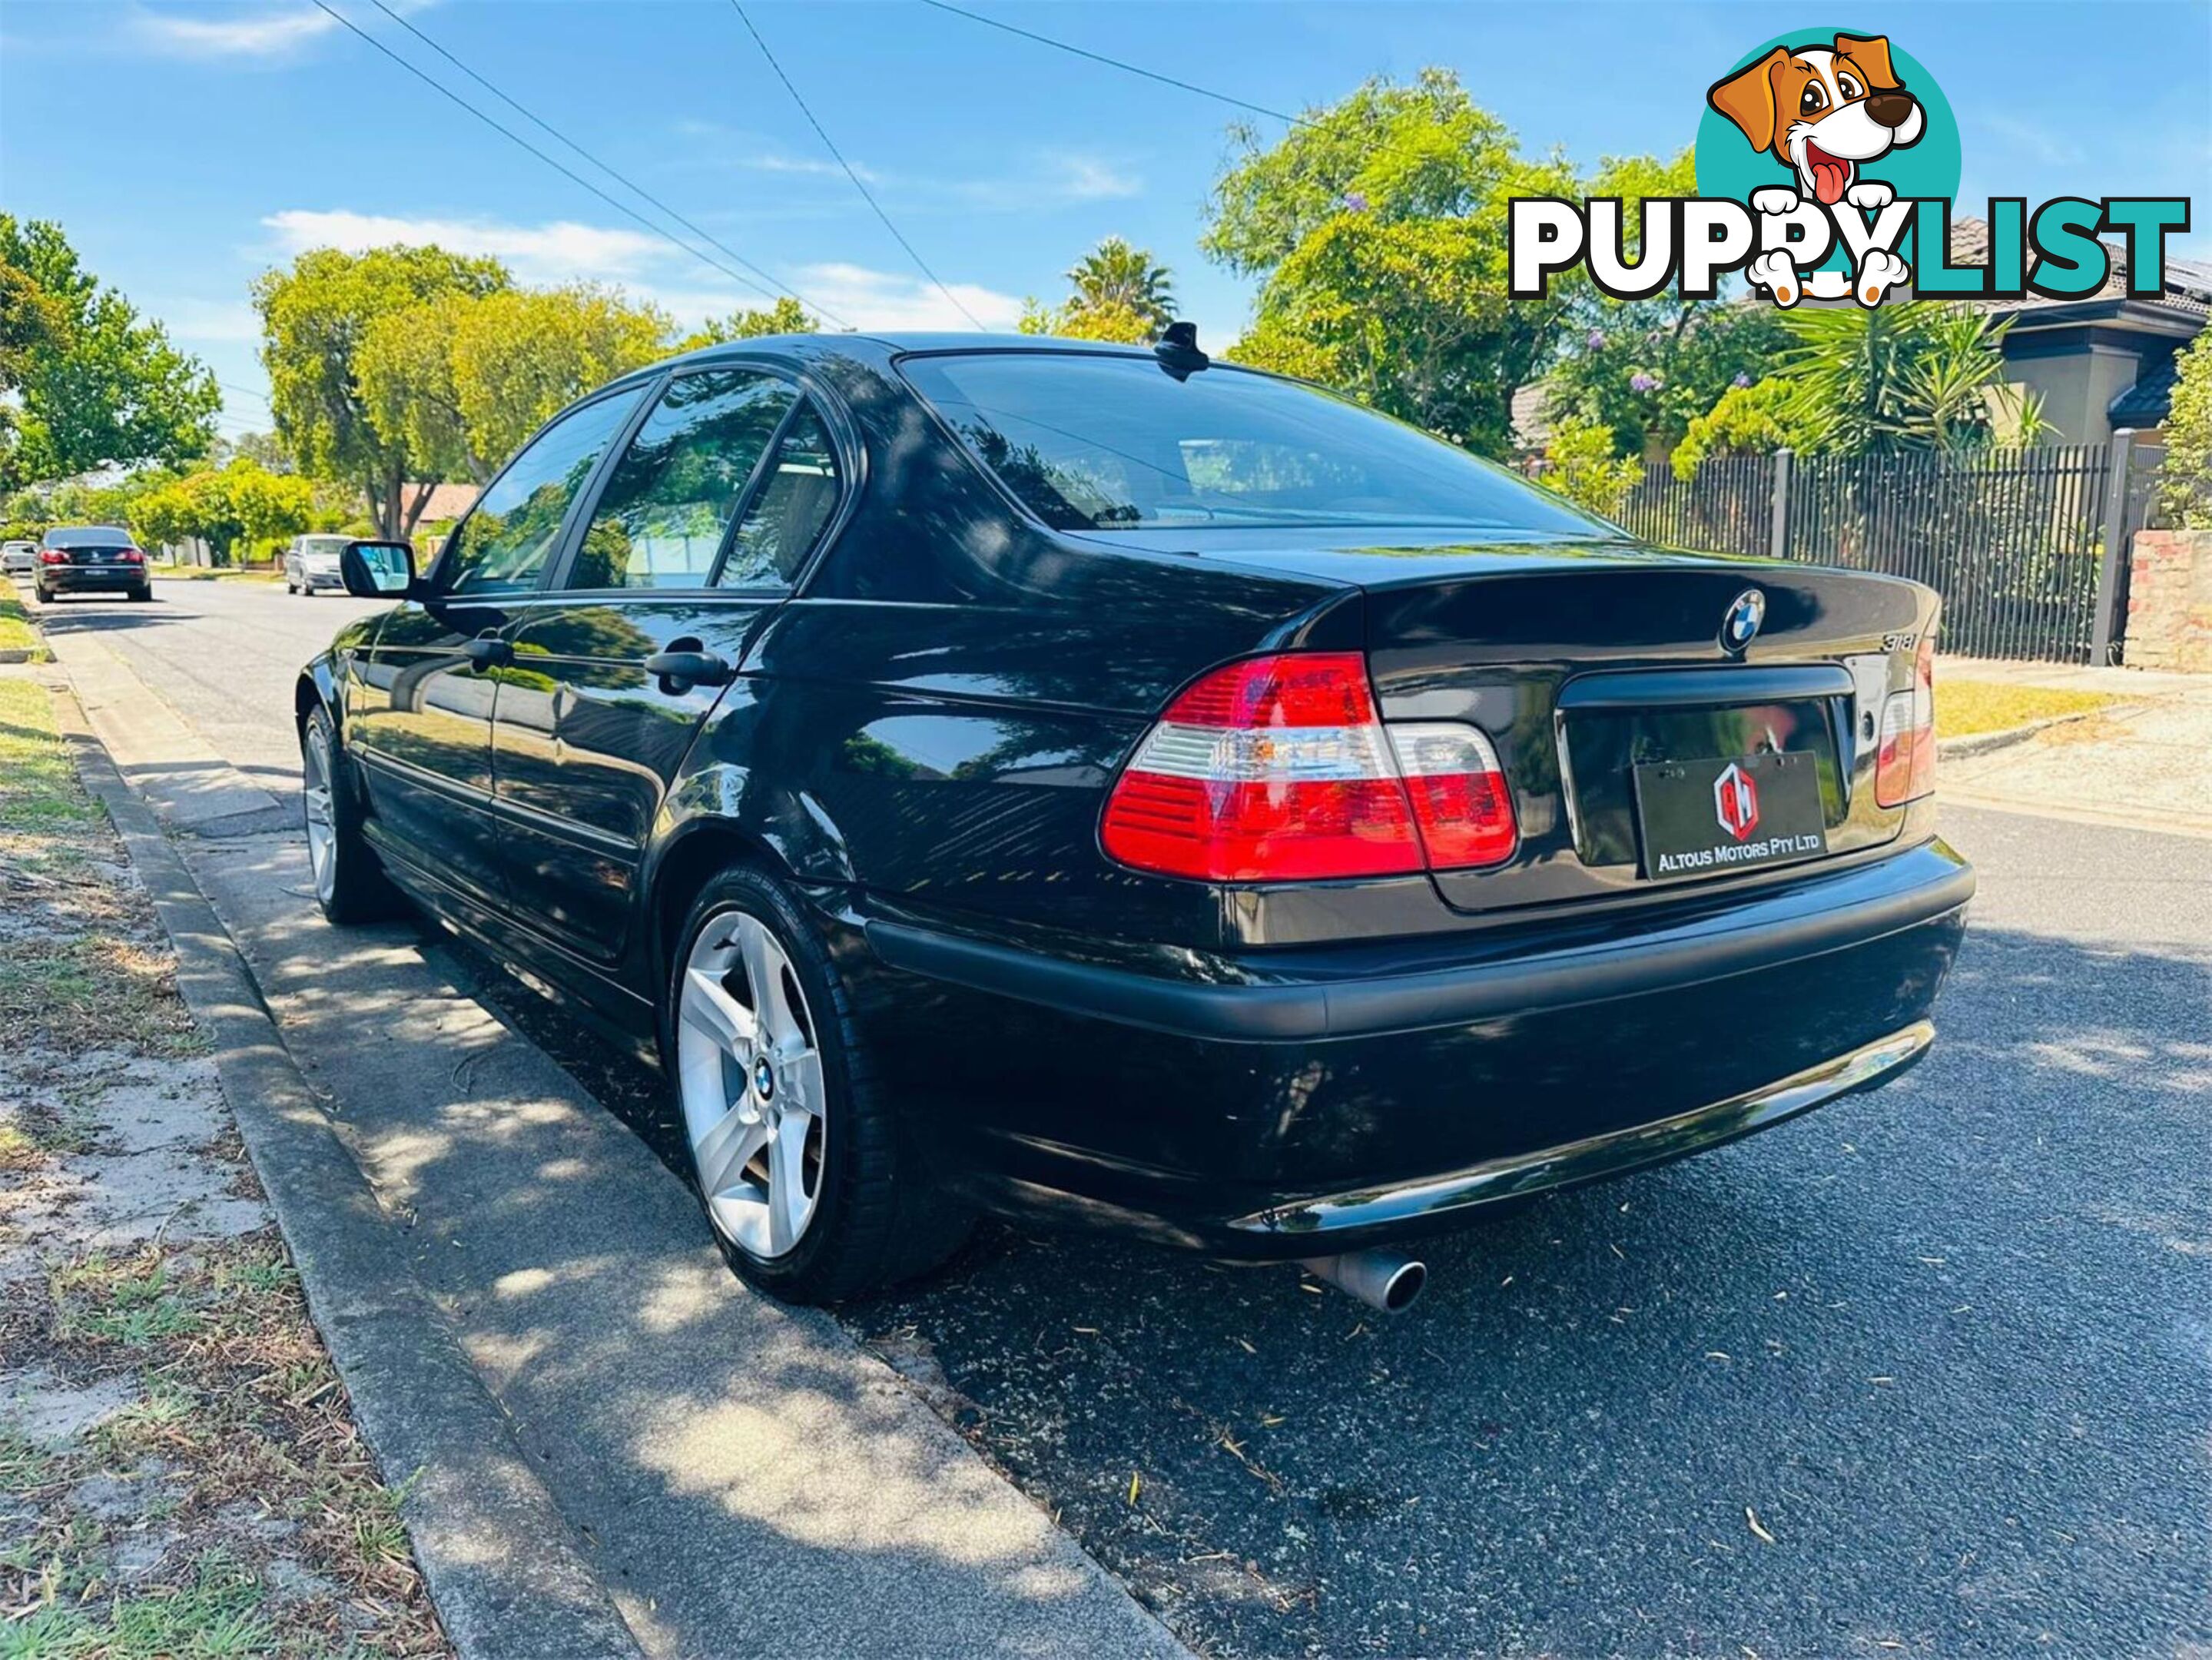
419, 719
693, 539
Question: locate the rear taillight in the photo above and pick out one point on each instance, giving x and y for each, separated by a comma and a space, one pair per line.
1904, 762
132, 556
53, 556
1278, 769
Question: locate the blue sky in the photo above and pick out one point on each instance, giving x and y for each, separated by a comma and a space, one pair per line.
187, 147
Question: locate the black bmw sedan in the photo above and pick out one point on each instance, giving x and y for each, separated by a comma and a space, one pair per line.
1090, 783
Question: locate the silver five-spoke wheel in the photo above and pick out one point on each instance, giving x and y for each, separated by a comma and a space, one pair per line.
322, 828
748, 1072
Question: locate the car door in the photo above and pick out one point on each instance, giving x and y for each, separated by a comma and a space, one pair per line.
696, 536
420, 717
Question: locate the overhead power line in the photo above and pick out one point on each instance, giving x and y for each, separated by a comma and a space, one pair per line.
628, 182
569, 174
830, 144
1115, 62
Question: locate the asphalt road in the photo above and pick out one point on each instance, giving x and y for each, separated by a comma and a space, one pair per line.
1926, 1372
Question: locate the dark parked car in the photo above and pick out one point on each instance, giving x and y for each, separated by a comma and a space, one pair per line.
1078, 783
90, 559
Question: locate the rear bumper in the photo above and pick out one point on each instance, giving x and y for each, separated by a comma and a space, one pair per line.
1245, 1106
78, 579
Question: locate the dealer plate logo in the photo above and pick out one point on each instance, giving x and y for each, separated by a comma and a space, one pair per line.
1736, 803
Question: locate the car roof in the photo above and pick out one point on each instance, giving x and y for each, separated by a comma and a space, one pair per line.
881, 346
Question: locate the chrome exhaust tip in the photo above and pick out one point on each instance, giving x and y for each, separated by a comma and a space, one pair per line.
1384, 1279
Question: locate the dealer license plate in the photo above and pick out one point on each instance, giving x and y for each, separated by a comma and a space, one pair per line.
1701, 817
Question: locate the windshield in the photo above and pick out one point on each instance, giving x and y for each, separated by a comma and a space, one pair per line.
1098, 442
95, 536
330, 546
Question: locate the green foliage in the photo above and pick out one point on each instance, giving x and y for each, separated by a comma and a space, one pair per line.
314, 318
1647, 370
1916, 375
1119, 294
1753, 419
1580, 464
96, 384
2185, 486
242, 502
1378, 229
459, 381
786, 316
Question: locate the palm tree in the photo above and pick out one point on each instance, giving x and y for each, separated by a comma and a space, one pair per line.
1115, 275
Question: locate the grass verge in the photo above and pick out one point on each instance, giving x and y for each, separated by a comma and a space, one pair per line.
202, 573
1964, 708
17, 633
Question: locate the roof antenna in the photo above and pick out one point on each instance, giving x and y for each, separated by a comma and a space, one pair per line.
1178, 351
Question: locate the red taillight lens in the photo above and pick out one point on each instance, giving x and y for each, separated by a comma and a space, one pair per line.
53, 556
1904, 762
132, 556
1278, 769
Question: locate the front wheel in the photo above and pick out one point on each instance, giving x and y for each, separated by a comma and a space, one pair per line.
349, 884
810, 1185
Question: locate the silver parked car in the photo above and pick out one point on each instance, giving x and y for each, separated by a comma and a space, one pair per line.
311, 563
19, 558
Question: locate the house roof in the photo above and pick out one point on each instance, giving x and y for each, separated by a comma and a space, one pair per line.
1531, 423
447, 500
2147, 403
2188, 283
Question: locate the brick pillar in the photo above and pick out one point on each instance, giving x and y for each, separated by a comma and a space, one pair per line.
2170, 600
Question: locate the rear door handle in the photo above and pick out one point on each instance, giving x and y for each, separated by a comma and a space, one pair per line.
680, 670
489, 651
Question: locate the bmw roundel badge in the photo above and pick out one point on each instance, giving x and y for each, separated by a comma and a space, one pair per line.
1742, 623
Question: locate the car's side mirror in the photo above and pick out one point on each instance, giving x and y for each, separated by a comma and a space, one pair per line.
378, 570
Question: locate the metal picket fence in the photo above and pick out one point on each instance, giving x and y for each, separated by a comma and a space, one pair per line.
2015, 540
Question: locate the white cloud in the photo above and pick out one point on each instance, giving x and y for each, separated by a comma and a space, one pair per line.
886, 299
236, 34
562, 252
1056, 178
207, 320
650, 269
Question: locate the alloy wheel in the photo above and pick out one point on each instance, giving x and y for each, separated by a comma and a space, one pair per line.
322, 827
749, 1072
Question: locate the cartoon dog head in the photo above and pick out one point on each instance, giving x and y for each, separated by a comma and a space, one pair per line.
1823, 112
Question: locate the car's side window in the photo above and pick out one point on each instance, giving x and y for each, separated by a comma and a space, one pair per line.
503, 545
667, 505
790, 510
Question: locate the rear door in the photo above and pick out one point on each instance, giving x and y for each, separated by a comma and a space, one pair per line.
422, 713
696, 537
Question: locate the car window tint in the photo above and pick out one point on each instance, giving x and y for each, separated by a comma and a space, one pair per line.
661, 521
1104, 442
503, 545
794, 504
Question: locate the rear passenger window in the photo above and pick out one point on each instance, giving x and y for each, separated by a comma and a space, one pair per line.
792, 508
661, 519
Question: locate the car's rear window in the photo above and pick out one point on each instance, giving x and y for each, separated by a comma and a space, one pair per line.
97, 536
1092, 442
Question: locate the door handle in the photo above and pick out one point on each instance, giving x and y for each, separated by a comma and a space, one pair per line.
489, 651
680, 670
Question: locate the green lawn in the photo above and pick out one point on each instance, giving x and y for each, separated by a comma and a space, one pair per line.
17, 633
1964, 708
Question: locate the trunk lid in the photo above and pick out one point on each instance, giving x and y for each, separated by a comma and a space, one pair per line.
1598, 669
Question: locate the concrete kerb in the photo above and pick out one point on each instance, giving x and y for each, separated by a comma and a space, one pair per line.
506, 1573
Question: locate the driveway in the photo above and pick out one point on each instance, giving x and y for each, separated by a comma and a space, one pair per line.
1925, 1373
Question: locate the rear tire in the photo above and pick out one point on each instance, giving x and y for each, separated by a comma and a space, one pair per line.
748, 1065
144, 594
350, 885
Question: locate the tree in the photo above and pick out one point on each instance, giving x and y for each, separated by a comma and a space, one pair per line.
1580, 464
1074, 321
2186, 484
459, 381
1377, 229
314, 318
1753, 419
786, 316
1116, 277
98, 385
241, 502
1916, 375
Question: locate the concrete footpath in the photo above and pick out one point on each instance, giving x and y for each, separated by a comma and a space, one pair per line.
743, 1477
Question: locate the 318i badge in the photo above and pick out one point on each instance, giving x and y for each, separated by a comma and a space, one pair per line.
1700, 816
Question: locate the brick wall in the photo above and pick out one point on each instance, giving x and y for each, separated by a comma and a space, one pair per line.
2170, 600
